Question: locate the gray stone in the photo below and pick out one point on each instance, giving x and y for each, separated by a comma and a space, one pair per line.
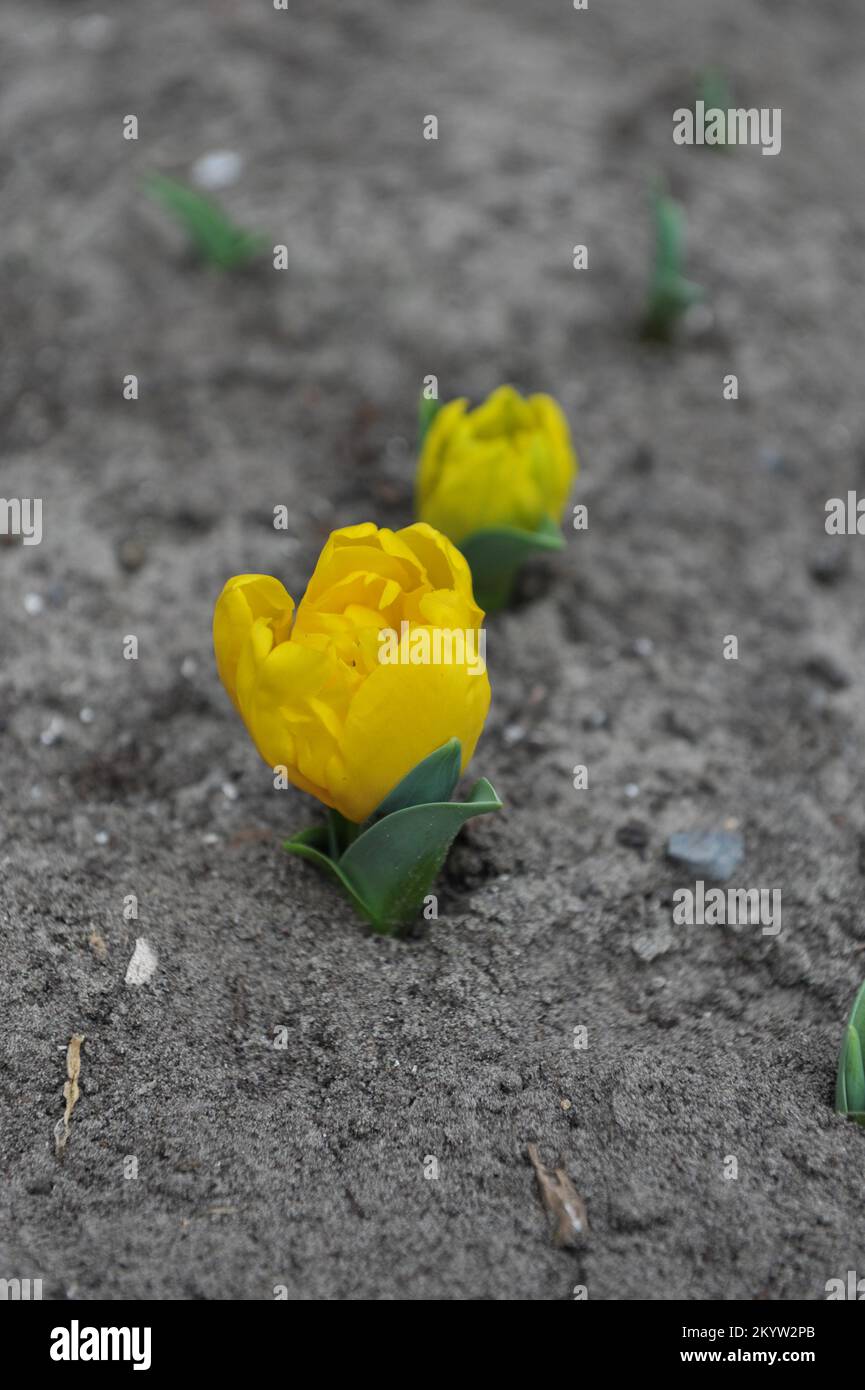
714, 854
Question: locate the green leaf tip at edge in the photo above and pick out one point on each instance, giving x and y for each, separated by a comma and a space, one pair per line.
215, 237
850, 1084
389, 865
496, 553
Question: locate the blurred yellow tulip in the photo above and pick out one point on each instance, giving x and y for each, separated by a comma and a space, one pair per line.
509, 462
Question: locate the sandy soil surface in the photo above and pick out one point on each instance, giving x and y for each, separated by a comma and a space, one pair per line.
303, 1166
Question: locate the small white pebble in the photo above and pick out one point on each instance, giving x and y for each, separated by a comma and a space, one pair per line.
86, 715
229, 790
101, 837
632, 790
644, 646
33, 604
188, 667
514, 733
217, 169
143, 963
53, 733
210, 838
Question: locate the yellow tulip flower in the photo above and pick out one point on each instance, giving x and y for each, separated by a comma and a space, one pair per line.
312, 688
509, 462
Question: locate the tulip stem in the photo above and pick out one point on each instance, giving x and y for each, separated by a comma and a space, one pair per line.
340, 833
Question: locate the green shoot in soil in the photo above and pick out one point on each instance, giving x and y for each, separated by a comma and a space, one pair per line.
670, 294
214, 236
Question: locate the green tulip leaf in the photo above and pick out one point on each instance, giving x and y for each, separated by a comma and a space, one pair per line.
669, 236
312, 844
854, 1073
496, 553
434, 779
670, 294
214, 236
713, 89
857, 1013
391, 866
850, 1086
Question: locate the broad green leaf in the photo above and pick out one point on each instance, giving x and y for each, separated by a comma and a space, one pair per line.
857, 1013
495, 554
850, 1087
392, 865
434, 779
854, 1073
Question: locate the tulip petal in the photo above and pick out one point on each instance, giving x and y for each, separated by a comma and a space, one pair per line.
442, 427
443, 563
244, 599
283, 707
400, 714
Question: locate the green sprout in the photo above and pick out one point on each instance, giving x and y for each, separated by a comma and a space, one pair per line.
215, 237
713, 90
850, 1086
670, 294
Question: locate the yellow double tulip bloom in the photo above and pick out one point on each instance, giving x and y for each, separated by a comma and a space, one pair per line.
509, 462
310, 686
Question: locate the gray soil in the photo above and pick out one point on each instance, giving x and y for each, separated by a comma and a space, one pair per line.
303, 1166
